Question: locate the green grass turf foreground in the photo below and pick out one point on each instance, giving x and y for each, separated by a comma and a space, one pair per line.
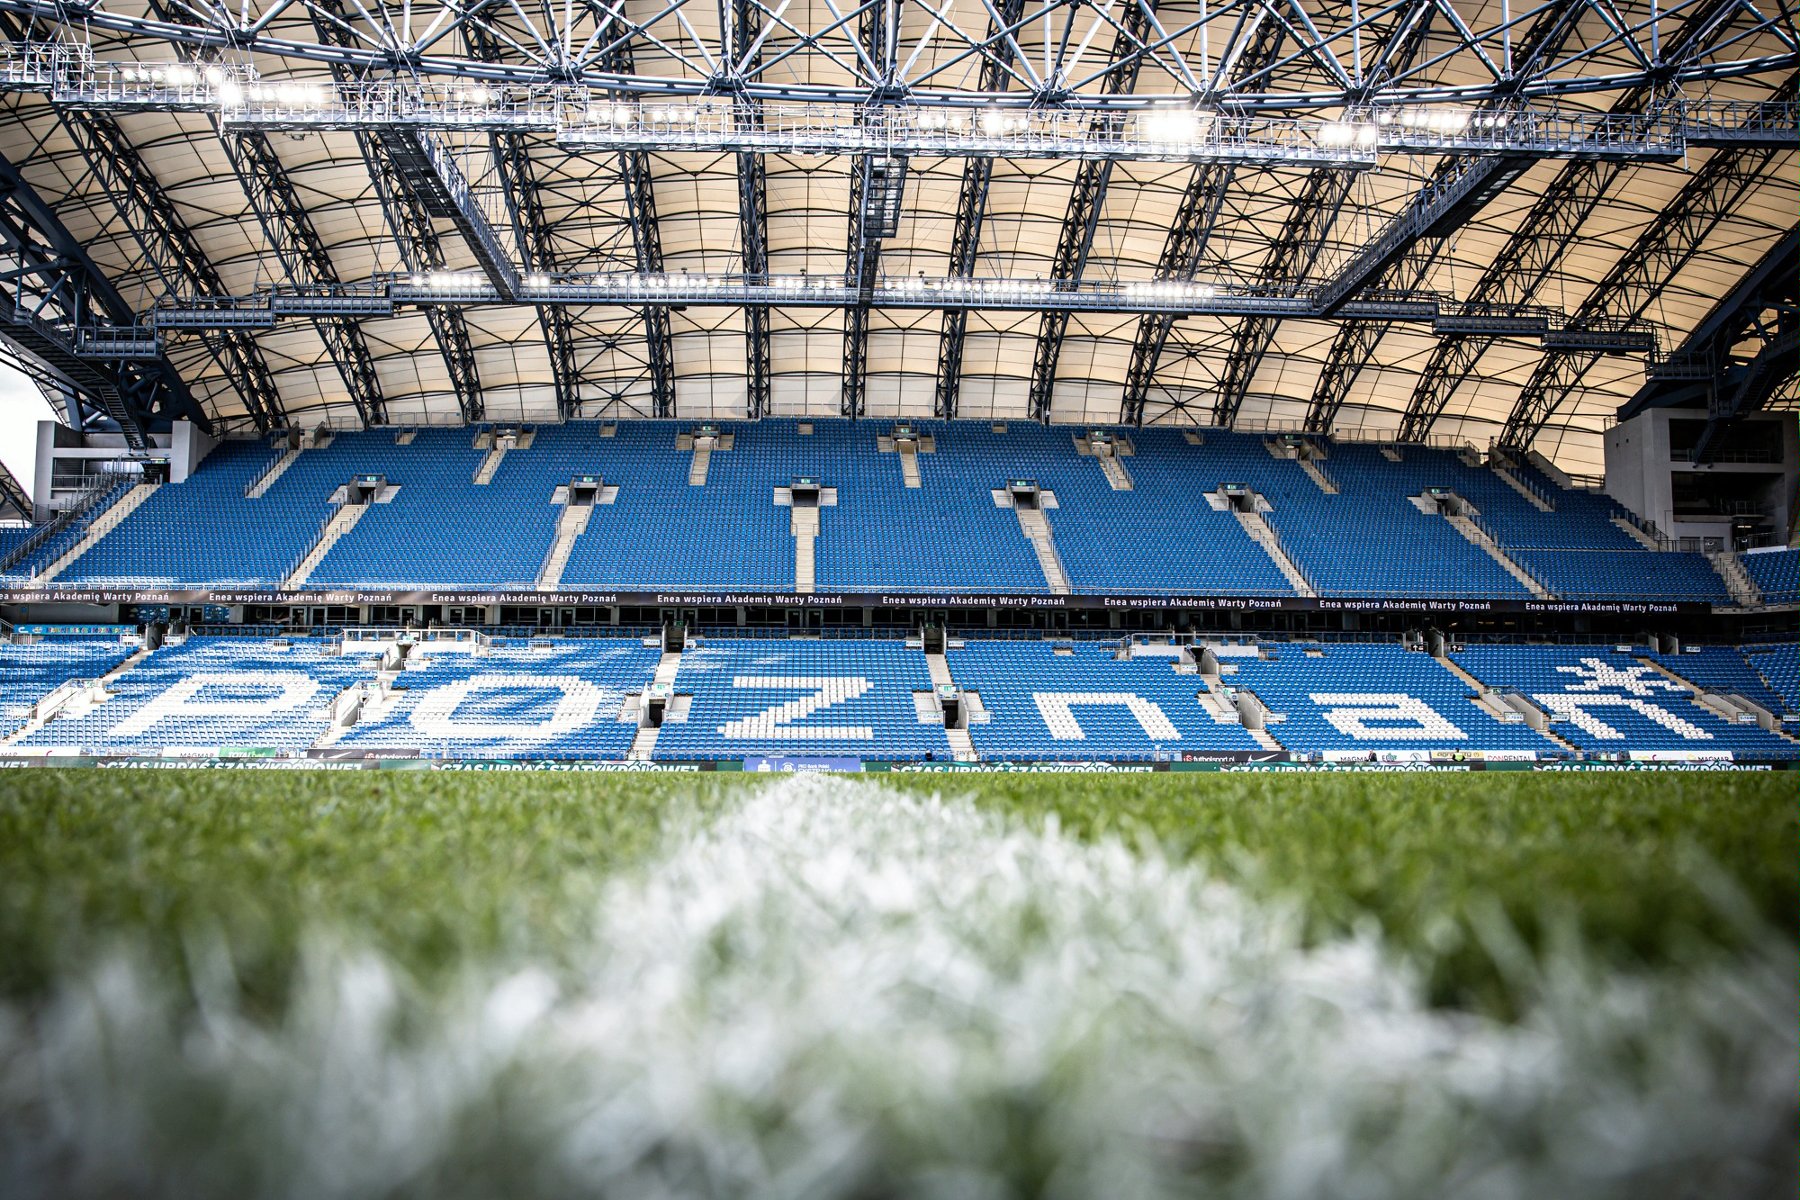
361, 983
431, 868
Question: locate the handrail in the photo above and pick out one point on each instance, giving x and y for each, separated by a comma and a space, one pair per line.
63, 520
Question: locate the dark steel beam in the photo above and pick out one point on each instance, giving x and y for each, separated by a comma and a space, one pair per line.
1635, 282
878, 40
1303, 234
289, 227
415, 237
971, 214
1086, 199
55, 295
1691, 373
1191, 233
753, 220
1532, 252
1354, 346
172, 253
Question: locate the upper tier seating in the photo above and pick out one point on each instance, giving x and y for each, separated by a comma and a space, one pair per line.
1776, 573
1350, 696
217, 692
1084, 703
523, 698
28, 673
63, 540
442, 530
1604, 701
756, 697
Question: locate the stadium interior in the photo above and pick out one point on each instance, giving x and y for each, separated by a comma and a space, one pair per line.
985, 384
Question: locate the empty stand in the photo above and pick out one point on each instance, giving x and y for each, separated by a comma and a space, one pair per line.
213, 693
754, 697
699, 519
1466, 520
99, 521
1774, 572
1604, 700
1353, 697
518, 698
1078, 700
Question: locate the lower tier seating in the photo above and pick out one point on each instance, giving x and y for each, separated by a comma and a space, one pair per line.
217, 693
1044, 702
519, 698
743, 699
777, 698
28, 673
1604, 701
1353, 696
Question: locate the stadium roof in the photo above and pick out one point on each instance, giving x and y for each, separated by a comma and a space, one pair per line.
1261, 212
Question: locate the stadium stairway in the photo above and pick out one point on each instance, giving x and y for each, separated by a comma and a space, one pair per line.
571, 523
1730, 567
1636, 534
1036, 528
1264, 536
1519, 485
960, 743
101, 525
703, 446
1498, 704
804, 520
643, 745
1477, 536
341, 522
1728, 704
262, 483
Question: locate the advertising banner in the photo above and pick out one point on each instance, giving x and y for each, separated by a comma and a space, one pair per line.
897, 599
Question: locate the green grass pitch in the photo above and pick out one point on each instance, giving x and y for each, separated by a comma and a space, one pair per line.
1520, 902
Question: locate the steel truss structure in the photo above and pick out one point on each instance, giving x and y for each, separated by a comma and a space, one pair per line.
66, 319
1242, 157
1740, 354
1634, 283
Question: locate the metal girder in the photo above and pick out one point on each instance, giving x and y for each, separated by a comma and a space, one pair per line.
1700, 369
646, 242
512, 158
531, 230
415, 237
56, 300
1086, 199
1535, 247
971, 214
1422, 240
429, 167
646, 236
1190, 234
1298, 245
288, 225
570, 43
1302, 239
12, 494
753, 222
1633, 284
172, 253
876, 38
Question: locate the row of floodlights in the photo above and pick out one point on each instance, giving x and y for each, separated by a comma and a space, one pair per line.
1162, 124
1155, 289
